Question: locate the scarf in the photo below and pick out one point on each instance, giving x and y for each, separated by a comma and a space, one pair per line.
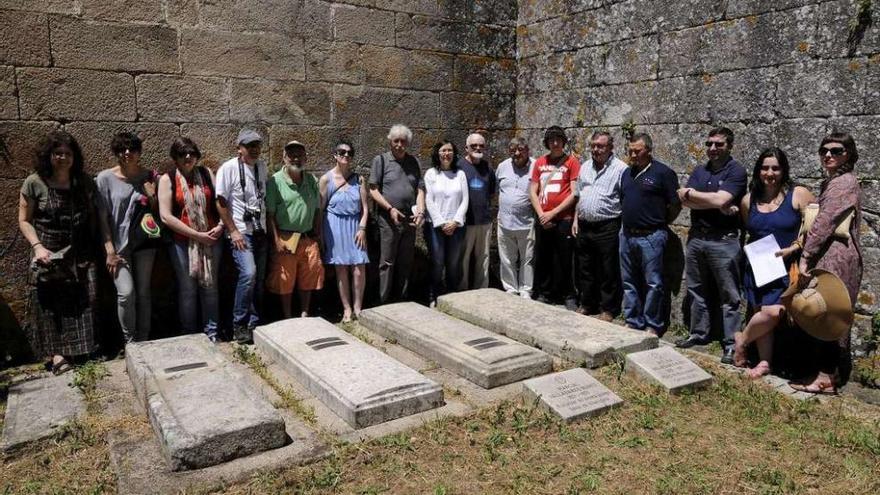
200, 255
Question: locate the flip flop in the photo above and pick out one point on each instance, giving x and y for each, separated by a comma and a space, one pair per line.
61, 367
818, 389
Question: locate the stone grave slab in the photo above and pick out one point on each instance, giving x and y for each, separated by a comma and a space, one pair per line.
572, 394
581, 339
36, 409
359, 383
485, 358
201, 408
669, 368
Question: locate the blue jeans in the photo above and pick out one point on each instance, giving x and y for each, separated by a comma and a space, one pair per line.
446, 256
188, 290
251, 265
714, 269
641, 268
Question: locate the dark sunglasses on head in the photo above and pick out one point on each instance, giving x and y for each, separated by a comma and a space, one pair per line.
711, 144
348, 153
834, 151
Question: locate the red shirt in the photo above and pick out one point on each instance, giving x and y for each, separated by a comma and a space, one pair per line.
554, 183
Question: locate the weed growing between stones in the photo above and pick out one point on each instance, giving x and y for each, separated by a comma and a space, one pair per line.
86, 378
289, 399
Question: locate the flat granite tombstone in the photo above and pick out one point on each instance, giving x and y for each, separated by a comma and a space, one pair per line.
359, 383
202, 409
36, 409
487, 359
560, 332
668, 368
572, 394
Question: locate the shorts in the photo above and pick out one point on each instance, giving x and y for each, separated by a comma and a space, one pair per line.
302, 269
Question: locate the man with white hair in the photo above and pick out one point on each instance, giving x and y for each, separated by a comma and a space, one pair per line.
395, 186
478, 220
516, 236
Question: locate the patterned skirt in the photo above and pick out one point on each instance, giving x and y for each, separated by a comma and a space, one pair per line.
62, 315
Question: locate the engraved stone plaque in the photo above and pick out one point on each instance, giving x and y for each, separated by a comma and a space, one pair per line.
669, 368
571, 394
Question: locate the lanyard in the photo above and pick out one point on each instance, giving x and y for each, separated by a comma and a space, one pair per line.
241, 178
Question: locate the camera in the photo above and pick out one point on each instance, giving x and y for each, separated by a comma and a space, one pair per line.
252, 214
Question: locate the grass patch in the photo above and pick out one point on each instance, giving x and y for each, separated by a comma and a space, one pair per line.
289, 400
86, 377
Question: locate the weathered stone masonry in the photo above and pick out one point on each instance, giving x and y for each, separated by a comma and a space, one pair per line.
776, 72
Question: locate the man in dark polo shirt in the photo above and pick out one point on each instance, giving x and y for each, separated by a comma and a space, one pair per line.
650, 203
714, 253
478, 220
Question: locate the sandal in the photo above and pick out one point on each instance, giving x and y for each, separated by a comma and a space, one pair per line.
59, 367
815, 388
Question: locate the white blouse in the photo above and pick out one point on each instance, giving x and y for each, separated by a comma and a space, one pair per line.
446, 196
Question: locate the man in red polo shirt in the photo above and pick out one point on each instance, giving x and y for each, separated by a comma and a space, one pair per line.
554, 179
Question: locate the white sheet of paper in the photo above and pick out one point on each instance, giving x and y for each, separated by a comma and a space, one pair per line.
766, 266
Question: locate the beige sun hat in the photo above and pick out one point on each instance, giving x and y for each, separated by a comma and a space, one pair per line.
823, 308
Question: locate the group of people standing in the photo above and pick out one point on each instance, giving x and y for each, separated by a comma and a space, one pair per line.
590, 235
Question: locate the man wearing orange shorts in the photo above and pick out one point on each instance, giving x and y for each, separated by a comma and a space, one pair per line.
294, 221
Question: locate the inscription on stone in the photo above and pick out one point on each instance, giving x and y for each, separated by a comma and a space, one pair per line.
571, 394
668, 368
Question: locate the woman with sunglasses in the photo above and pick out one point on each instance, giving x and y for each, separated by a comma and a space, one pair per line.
773, 206
187, 207
58, 218
345, 226
838, 198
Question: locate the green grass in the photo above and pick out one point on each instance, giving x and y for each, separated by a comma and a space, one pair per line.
289, 399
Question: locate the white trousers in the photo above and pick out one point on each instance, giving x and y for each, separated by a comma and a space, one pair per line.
516, 251
476, 242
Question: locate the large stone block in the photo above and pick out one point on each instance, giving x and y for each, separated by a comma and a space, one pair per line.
98, 45
268, 55
741, 8
555, 330
75, 94
487, 359
736, 95
47, 6
37, 409
502, 12
572, 394
872, 86
476, 111
475, 74
24, 38
8, 95
411, 69
431, 33
202, 409
833, 42
536, 10
767, 39
361, 384
630, 60
333, 61
565, 70
301, 18
95, 137
215, 141
363, 25
452, 9
280, 102
182, 12
123, 10
318, 140
841, 82
182, 98
360, 106
19, 142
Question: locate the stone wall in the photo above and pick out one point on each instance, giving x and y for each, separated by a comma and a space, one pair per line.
312, 70
777, 73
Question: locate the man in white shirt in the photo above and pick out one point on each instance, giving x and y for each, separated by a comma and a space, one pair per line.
597, 229
516, 237
241, 190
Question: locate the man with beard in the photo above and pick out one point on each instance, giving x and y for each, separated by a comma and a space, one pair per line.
478, 220
294, 218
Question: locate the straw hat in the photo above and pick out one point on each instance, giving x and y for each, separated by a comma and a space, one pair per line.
823, 308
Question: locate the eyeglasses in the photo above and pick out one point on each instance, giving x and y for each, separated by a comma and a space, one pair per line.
834, 151
477, 146
348, 153
715, 144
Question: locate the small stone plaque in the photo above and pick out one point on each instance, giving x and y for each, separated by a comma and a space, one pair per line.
571, 394
668, 368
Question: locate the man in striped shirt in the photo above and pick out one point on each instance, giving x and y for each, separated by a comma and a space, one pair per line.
597, 229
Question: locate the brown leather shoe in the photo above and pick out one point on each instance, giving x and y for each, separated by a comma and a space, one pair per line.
605, 316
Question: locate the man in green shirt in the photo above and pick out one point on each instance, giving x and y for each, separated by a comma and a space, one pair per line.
293, 211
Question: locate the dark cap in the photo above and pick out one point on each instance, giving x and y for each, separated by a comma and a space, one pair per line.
554, 132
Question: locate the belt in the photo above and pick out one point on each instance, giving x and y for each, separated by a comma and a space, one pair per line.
599, 223
633, 232
704, 233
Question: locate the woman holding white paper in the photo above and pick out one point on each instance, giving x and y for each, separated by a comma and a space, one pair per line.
774, 206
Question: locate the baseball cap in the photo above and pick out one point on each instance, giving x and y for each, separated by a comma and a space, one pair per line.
248, 136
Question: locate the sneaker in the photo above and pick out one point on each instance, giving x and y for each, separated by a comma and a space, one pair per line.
525, 295
213, 338
571, 304
240, 334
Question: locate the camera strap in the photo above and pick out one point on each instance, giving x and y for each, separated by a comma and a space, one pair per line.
242, 179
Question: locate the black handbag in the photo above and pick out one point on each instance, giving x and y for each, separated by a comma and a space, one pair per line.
145, 230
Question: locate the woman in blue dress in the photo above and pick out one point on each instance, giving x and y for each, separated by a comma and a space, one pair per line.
344, 198
774, 206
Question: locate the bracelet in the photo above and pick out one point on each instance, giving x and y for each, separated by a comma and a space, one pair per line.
362, 227
38, 243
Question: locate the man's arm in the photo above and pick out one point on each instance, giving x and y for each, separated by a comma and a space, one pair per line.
697, 200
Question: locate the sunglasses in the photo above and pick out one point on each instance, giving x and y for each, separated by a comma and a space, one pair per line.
713, 144
834, 151
348, 153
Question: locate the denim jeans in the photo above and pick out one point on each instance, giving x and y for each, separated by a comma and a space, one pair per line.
133, 294
714, 267
189, 291
641, 268
251, 265
446, 256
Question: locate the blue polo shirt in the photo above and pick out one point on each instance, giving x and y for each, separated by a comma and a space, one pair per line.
645, 196
481, 187
730, 177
